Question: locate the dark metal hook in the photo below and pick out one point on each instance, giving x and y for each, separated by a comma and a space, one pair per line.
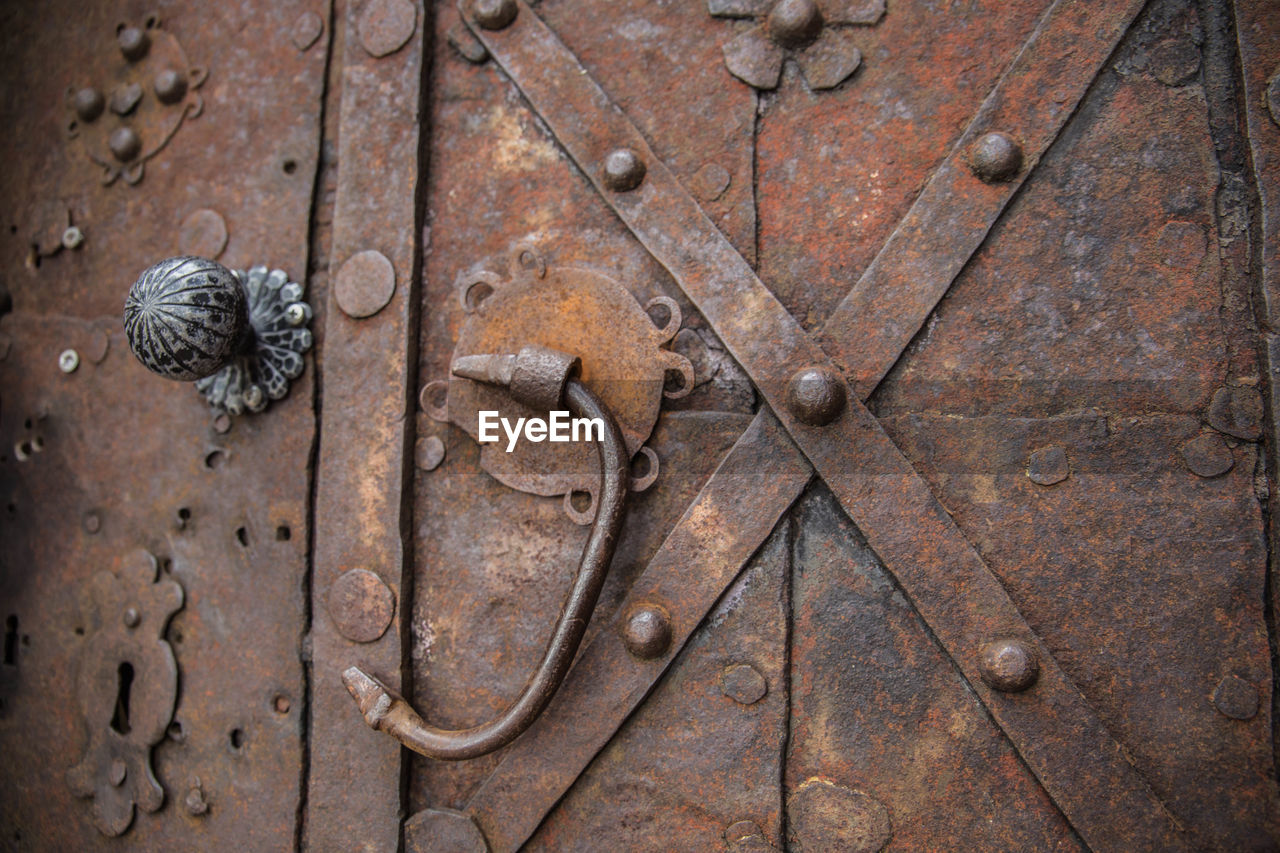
541, 378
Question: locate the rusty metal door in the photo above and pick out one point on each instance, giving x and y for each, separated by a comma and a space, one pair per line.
939, 336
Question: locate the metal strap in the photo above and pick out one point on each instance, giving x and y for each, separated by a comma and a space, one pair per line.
354, 784
1052, 726
875, 322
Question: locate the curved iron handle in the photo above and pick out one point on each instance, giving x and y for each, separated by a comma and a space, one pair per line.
543, 379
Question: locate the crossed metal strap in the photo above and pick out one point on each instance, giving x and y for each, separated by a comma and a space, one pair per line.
1085, 771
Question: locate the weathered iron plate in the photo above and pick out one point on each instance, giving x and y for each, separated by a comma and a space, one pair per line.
127, 461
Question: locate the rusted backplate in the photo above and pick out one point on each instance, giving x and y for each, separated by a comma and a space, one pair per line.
102, 463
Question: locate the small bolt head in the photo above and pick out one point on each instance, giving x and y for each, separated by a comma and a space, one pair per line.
494, 14
816, 396
88, 103
295, 314
1009, 666
72, 238
623, 170
132, 618
794, 23
134, 43
255, 400
996, 157
117, 772
647, 632
125, 144
68, 361
170, 86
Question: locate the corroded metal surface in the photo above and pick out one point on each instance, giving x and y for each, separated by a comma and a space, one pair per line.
100, 459
1057, 734
226, 517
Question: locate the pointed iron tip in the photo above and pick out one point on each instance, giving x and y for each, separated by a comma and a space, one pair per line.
493, 369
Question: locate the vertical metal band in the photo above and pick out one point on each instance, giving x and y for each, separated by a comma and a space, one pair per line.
358, 594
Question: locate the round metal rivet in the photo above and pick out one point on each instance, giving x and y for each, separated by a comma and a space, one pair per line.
385, 26
72, 237
306, 30
88, 103
996, 157
429, 452
92, 522
282, 704
1207, 455
361, 605
134, 43
743, 684
1009, 665
1048, 466
647, 632
1236, 698
365, 284
132, 618
822, 816
222, 423
816, 396
125, 144
68, 361
170, 86
117, 772
794, 23
203, 234
494, 14
623, 170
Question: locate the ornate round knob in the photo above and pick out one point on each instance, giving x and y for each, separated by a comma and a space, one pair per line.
239, 335
185, 317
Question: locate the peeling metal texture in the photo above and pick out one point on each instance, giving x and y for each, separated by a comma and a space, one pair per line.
1056, 733
226, 517
354, 785
107, 459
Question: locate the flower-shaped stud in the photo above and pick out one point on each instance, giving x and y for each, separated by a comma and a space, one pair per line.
809, 31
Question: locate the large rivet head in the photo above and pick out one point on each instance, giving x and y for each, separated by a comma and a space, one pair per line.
494, 14
134, 43
1236, 698
996, 157
1009, 665
794, 23
647, 632
815, 395
170, 86
131, 618
623, 170
364, 284
361, 605
185, 317
88, 103
125, 144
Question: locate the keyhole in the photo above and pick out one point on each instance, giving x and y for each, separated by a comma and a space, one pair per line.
124, 682
11, 640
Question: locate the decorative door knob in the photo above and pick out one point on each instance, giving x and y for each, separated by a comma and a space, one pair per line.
239, 335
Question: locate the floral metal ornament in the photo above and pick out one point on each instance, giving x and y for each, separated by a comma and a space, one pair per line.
811, 32
132, 101
127, 687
